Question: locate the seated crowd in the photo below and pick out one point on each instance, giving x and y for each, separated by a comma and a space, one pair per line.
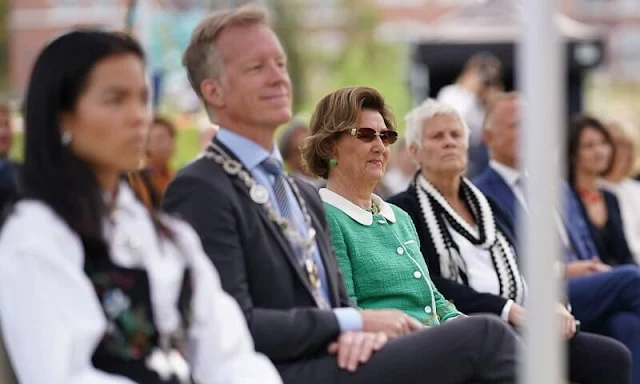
233, 270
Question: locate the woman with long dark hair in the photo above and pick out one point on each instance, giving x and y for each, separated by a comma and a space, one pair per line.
95, 288
590, 152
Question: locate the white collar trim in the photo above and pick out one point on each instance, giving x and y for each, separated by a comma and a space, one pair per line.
358, 214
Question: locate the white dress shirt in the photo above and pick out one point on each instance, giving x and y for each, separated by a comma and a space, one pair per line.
512, 178
52, 320
481, 273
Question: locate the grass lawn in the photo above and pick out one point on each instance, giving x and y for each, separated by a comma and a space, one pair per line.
187, 147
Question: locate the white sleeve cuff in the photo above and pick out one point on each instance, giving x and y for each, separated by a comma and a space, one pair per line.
505, 310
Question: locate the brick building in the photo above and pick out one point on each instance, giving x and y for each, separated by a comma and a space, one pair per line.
34, 22
406, 20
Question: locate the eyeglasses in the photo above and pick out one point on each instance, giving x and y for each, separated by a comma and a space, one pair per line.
369, 134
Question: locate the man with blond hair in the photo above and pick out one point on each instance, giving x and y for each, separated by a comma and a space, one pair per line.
267, 235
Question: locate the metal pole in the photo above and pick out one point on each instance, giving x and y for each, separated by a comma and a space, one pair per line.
541, 78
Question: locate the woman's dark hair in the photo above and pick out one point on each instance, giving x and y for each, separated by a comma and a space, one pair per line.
52, 173
577, 126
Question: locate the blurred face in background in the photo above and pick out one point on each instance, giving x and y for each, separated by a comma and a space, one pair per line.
6, 134
294, 161
594, 152
160, 144
444, 147
502, 133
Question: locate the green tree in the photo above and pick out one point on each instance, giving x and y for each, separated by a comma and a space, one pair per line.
360, 25
363, 60
384, 70
287, 26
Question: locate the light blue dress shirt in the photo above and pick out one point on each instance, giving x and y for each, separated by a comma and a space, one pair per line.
252, 155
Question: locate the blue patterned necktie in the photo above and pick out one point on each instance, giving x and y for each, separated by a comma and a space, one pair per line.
307, 262
275, 168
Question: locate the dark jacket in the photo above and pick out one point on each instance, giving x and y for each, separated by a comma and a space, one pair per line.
256, 264
465, 298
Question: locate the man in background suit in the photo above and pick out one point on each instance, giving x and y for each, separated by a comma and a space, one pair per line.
604, 299
257, 227
289, 142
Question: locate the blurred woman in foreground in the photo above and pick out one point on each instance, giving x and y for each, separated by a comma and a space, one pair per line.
95, 288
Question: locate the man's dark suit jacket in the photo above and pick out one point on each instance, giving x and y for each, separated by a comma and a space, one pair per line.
256, 264
465, 298
493, 186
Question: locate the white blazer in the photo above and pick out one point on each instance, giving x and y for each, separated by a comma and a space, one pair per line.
52, 320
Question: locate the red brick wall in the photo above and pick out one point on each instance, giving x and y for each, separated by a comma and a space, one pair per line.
424, 14
33, 25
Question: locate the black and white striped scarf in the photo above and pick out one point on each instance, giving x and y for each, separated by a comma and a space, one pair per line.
437, 213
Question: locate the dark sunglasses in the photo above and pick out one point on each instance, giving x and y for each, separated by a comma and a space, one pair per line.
369, 134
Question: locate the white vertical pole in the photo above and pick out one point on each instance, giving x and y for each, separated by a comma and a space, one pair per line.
541, 79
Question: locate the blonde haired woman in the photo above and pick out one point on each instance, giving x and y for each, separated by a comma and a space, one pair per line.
618, 180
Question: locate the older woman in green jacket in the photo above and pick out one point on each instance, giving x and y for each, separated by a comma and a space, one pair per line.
376, 243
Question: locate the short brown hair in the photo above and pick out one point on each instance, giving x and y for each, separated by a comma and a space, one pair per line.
335, 113
202, 58
166, 123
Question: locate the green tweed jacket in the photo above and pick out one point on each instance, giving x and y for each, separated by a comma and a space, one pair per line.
379, 256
